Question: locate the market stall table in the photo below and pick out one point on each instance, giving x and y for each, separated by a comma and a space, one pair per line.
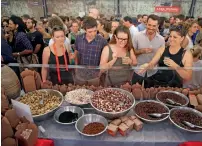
159, 134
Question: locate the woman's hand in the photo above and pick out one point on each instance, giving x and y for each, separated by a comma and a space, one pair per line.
7, 35
114, 55
72, 56
126, 60
145, 67
170, 63
16, 54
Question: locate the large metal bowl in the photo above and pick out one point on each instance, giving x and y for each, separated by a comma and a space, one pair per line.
51, 112
152, 121
186, 109
73, 109
113, 115
90, 118
87, 105
173, 106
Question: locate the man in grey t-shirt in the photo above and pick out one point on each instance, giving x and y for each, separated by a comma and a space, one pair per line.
146, 44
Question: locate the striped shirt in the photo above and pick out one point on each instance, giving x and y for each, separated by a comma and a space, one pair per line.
22, 42
89, 52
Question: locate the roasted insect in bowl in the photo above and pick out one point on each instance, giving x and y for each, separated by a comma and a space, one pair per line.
40, 102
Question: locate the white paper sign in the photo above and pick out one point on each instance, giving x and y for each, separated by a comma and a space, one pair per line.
22, 110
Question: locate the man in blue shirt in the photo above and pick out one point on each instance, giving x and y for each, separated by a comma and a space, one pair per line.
142, 26
88, 48
89, 45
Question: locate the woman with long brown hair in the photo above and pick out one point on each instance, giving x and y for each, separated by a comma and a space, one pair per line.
191, 27
119, 52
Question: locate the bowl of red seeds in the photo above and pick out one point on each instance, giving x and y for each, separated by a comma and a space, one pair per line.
91, 125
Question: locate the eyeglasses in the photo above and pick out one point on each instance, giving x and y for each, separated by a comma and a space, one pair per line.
122, 39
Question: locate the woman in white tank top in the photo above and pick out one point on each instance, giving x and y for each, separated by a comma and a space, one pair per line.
191, 27
190, 43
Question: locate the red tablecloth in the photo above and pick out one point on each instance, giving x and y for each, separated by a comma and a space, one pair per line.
44, 142
191, 143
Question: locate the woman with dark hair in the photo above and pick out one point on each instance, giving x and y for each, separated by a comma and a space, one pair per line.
6, 50
104, 27
119, 52
22, 47
8, 33
57, 54
174, 57
5, 23
161, 25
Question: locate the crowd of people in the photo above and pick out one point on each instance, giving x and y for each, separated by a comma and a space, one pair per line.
146, 41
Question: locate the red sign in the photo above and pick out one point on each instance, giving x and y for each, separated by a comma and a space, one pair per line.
167, 9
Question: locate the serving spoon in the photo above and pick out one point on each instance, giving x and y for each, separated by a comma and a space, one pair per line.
191, 125
157, 115
170, 101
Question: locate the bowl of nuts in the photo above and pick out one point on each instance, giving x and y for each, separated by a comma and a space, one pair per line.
79, 97
43, 103
112, 102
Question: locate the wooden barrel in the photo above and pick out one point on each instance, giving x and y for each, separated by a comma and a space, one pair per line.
10, 82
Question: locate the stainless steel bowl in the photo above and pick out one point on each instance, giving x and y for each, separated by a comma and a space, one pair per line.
172, 106
113, 115
87, 119
186, 109
51, 112
87, 105
73, 109
152, 121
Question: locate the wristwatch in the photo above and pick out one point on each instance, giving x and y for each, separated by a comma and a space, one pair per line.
18, 53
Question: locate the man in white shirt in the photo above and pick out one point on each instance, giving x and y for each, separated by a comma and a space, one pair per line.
127, 21
146, 43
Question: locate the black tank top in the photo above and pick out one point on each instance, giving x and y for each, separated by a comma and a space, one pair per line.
169, 77
66, 76
177, 58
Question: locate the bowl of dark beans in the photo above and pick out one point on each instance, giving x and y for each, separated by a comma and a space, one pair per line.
182, 115
147, 109
68, 115
172, 99
91, 125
